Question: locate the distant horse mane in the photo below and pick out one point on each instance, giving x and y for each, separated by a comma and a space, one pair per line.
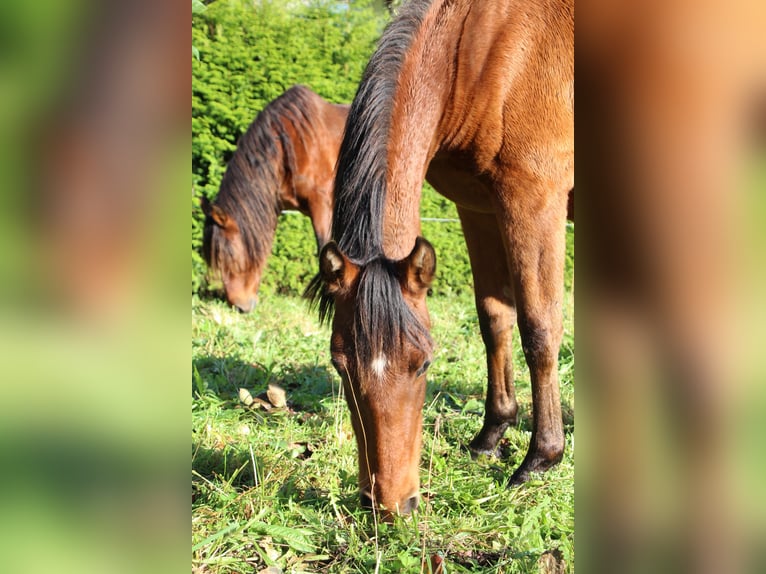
249, 191
384, 319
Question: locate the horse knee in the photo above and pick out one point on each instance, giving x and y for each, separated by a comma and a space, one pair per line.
501, 412
540, 345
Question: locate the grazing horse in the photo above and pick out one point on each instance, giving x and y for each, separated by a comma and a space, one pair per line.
285, 160
476, 97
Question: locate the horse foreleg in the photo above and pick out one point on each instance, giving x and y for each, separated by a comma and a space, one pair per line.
535, 244
495, 308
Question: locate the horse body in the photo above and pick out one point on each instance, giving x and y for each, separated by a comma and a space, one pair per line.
478, 98
285, 160
500, 118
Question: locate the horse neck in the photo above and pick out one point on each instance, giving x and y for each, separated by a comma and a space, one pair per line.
285, 166
250, 192
418, 106
262, 164
302, 157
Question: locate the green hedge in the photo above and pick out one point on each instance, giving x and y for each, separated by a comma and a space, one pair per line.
251, 52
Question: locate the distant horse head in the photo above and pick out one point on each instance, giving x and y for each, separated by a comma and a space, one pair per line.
285, 159
237, 256
478, 98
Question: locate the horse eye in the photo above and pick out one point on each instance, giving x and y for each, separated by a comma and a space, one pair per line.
423, 368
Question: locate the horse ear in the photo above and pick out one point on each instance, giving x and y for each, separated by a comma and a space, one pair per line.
419, 267
336, 270
220, 217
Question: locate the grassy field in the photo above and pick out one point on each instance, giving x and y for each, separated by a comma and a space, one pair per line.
278, 489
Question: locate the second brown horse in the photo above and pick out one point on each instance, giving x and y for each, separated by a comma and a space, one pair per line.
285, 160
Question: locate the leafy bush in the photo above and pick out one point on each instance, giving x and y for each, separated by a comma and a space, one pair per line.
293, 260
250, 53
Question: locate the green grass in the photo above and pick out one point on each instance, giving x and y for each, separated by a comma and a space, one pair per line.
279, 488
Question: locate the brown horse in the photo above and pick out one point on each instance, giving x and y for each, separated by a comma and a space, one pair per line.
478, 98
285, 160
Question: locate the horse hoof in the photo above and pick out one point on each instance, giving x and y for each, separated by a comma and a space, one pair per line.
519, 477
486, 443
537, 464
477, 453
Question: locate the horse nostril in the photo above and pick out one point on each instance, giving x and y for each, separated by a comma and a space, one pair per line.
248, 306
365, 501
411, 504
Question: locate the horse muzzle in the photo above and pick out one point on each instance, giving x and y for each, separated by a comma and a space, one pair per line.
402, 508
247, 305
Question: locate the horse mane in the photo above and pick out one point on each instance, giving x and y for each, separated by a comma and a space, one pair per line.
383, 319
249, 191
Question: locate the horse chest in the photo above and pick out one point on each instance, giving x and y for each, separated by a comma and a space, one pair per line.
455, 181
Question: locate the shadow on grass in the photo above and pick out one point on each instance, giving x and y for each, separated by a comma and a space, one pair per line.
450, 402
235, 466
306, 385
209, 293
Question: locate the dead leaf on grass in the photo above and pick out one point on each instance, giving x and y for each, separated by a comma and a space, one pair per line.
552, 562
300, 450
437, 564
259, 402
276, 395
245, 397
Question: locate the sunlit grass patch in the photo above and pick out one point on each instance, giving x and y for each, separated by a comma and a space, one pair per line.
279, 488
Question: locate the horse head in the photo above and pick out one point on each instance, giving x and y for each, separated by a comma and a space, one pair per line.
226, 252
381, 348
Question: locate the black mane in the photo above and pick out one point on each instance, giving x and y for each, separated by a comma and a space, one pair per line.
249, 191
382, 319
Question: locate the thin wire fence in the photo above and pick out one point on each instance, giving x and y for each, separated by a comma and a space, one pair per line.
570, 224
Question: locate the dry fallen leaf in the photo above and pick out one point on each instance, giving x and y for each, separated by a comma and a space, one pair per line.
276, 395
245, 397
259, 402
300, 450
437, 564
552, 562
